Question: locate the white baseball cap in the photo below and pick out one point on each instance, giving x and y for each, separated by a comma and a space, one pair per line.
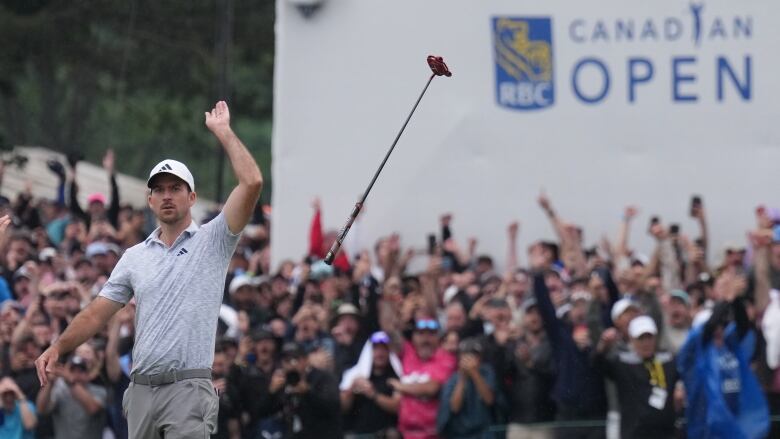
238, 282
621, 306
169, 166
641, 325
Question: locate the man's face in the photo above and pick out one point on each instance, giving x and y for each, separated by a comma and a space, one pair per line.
80, 372
519, 286
350, 324
170, 199
425, 343
678, 314
42, 334
85, 273
734, 257
644, 346
265, 349
219, 368
455, 317
9, 400
500, 317
381, 355
307, 329
19, 249
21, 287
97, 209
243, 297
532, 320
579, 311
553, 282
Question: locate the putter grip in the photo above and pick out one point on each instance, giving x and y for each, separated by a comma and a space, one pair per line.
334, 249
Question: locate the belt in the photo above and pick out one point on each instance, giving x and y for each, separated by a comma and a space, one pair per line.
170, 377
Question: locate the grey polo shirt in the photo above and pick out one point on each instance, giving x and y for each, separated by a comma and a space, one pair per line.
178, 292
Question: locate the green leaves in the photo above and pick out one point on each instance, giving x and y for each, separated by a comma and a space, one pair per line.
134, 75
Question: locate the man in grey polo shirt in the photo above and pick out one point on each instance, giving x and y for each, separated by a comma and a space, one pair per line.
177, 277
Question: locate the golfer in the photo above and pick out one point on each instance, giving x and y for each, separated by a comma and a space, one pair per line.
177, 276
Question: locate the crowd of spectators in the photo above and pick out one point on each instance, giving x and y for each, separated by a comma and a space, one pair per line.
673, 343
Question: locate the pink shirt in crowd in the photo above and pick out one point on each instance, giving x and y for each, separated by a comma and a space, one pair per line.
417, 416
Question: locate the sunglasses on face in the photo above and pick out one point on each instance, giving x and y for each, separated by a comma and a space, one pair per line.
380, 338
427, 325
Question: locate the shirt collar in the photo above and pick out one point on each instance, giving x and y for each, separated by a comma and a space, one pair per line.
155, 235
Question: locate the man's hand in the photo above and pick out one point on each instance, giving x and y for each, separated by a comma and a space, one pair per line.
363, 387
277, 381
608, 339
219, 385
5, 221
218, 119
630, 213
469, 364
46, 364
544, 202
108, 161
512, 230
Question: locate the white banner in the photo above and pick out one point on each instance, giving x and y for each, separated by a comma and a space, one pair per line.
603, 103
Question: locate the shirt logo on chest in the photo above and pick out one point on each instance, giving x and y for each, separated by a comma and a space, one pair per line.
183, 251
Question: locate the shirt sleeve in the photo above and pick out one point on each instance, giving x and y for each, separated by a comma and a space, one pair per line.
119, 287
100, 394
220, 236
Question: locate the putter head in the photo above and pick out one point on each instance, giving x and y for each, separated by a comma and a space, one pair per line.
437, 65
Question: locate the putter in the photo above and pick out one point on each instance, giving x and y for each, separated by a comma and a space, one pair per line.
439, 68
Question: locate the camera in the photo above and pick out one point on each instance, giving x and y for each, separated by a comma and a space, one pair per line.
292, 377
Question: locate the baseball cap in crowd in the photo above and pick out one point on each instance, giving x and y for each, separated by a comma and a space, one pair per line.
47, 254
426, 325
238, 282
97, 197
259, 335
682, 296
22, 272
470, 346
640, 326
347, 309
581, 295
95, 249
292, 349
622, 306
380, 337
173, 167
528, 304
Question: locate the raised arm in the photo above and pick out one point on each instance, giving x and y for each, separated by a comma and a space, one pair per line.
625, 228
113, 207
512, 259
697, 212
242, 200
546, 205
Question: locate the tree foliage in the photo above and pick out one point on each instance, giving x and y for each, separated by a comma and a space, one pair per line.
135, 75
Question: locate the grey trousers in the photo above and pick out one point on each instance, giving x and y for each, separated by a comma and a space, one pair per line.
184, 409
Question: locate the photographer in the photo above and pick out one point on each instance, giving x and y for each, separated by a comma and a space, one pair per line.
77, 405
18, 414
309, 397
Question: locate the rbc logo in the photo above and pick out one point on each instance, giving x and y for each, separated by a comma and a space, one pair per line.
524, 63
